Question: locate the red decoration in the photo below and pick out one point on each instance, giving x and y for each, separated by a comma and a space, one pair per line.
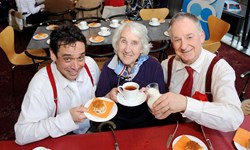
199, 96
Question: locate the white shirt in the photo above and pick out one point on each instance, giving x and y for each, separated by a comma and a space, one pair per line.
27, 6
224, 113
36, 120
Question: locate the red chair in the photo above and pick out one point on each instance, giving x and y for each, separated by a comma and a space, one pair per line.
114, 2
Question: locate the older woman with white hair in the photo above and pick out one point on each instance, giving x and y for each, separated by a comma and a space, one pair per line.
131, 63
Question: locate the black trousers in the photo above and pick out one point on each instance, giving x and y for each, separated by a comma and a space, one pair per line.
37, 18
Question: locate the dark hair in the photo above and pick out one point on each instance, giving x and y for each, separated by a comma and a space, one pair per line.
66, 34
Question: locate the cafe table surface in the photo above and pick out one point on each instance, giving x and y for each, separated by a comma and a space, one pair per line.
151, 138
155, 33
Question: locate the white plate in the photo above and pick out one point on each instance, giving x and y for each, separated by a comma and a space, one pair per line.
111, 25
239, 147
162, 20
93, 41
166, 33
191, 138
48, 41
40, 148
141, 99
97, 119
155, 25
107, 34
37, 37
83, 28
51, 27
96, 25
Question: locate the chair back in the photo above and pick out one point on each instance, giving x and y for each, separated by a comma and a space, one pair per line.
88, 8
100, 58
160, 13
66, 14
109, 11
90, 19
217, 28
212, 47
7, 42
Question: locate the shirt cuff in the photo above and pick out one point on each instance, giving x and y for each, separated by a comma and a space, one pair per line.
67, 122
193, 109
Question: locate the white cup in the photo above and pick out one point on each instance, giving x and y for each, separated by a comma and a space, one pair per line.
83, 24
105, 30
154, 21
115, 22
129, 91
153, 91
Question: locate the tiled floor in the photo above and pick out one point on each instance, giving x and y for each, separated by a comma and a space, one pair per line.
227, 39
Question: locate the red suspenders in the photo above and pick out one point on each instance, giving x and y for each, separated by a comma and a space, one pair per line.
53, 84
208, 75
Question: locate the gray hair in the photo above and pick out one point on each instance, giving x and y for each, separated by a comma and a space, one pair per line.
137, 29
182, 15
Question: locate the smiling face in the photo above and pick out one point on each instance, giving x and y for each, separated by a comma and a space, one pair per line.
70, 59
187, 40
129, 47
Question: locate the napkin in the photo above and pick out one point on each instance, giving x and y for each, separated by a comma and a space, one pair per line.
104, 115
241, 137
181, 143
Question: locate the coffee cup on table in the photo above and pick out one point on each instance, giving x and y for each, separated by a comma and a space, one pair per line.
115, 22
83, 24
105, 30
154, 21
129, 91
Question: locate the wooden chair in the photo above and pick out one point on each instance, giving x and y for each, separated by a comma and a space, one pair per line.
212, 47
21, 59
160, 13
67, 14
164, 45
93, 9
217, 29
110, 11
90, 19
100, 58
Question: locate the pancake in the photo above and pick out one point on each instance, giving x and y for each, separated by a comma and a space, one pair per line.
99, 106
192, 145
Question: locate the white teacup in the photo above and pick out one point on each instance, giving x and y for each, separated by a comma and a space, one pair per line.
105, 30
129, 91
154, 21
115, 22
83, 24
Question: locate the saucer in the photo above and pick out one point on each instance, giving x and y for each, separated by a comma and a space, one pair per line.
111, 25
155, 25
40, 36
94, 118
192, 138
166, 33
96, 41
83, 28
48, 41
94, 25
141, 99
106, 34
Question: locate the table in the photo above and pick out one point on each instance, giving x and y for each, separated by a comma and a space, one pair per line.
155, 34
151, 138
236, 21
